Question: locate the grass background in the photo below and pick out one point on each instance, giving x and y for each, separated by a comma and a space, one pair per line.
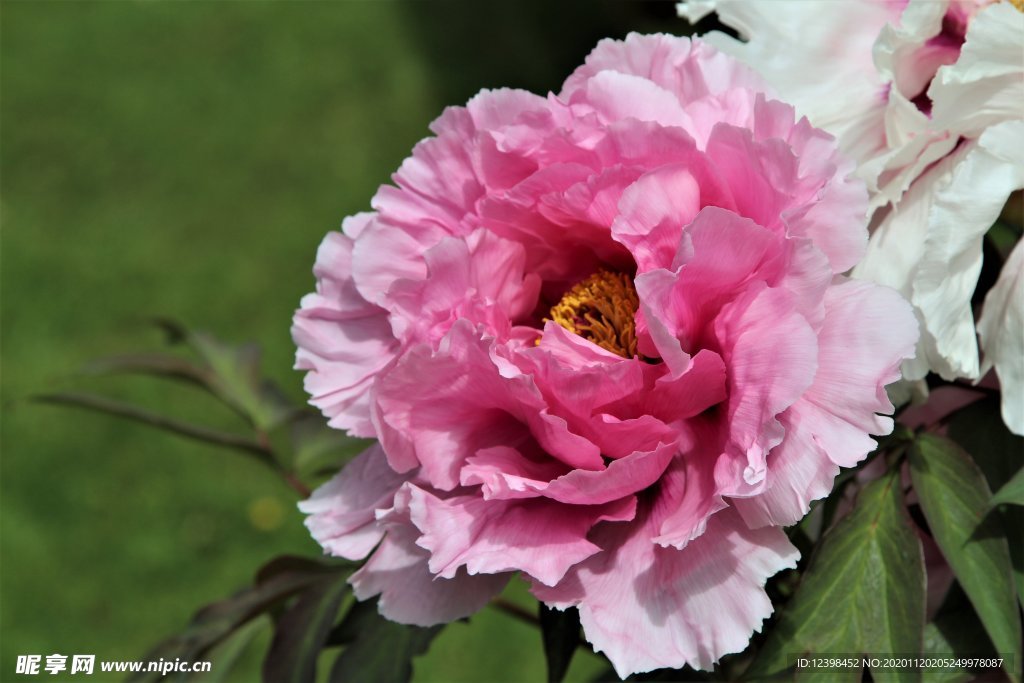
184, 160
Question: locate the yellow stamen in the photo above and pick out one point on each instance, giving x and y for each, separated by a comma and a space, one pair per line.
601, 309
1019, 4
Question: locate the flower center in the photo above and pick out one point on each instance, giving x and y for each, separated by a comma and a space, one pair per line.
601, 308
1019, 4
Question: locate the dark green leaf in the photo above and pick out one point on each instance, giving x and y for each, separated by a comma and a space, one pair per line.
300, 633
560, 631
1013, 521
686, 674
1004, 235
174, 331
289, 565
980, 430
276, 582
108, 406
1012, 491
955, 499
227, 655
379, 651
959, 628
862, 593
956, 632
830, 506
936, 645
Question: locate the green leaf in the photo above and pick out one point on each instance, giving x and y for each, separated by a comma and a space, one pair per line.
956, 632
275, 583
229, 653
301, 632
1012, 492
560, 631
955, 498
108, 406
235, 377
1004, 235
378, 650
862, 593
319, 449
230, 373
980, 430
298, 565
1013, 522
157, 364
608, 675
936, 645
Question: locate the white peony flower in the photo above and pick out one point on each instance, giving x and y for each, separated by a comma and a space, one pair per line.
1000, 327
928, 97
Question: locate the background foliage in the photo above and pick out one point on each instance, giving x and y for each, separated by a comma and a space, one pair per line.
184, 160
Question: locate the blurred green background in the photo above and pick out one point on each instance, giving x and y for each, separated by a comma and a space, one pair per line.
184, 160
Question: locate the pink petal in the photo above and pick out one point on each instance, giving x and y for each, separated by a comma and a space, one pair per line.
450, 404
479, 278
497, 109
505, 473
721, 254
438, 183
410, 594
623, 477
343, 340
615, 96
386, 252
653, 211
827, 204
771, 353
868, 331
574, 386
557, 249
648, 607
342, 511
537, 536
692, 70
799, 471
677, 397
765, 169
593, 202
690, 485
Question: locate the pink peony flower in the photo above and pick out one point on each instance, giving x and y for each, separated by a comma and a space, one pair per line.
602, 339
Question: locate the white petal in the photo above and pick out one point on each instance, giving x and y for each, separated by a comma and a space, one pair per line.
963, 209
929, 246
695, 10
1002, 337
826, 69
894, 50
913, 143
897, 243
986, 84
